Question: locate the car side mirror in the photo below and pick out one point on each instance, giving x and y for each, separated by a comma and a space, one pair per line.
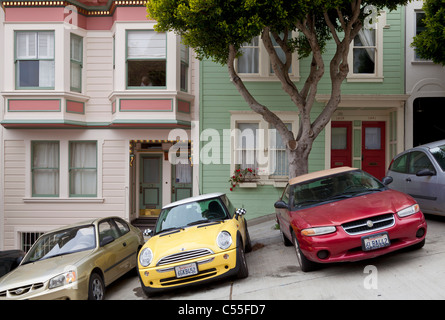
425, 173
280, 204
240, 212
148, 232
106, 240
387, 180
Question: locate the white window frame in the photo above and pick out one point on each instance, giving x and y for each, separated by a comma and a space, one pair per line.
264, 73
264, 171
377, 76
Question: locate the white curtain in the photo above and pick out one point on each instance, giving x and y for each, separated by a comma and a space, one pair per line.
183, 173
45, 163
247, 145
83, 168
146, 45
249, 61
367, 38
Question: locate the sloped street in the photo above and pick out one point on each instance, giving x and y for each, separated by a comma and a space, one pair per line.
274, 274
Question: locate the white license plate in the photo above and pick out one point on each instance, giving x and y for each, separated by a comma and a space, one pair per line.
186, 270
375, 241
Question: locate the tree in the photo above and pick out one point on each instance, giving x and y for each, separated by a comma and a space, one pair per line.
430, 43
217, 29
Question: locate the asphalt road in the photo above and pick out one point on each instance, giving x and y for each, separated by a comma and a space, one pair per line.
275, 275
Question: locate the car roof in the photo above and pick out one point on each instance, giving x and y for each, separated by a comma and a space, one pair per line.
319, 174
431, 144
194, 199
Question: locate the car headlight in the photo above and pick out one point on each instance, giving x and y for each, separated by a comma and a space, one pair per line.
62, 279
224, 240
318, 231
408, 211
145, 257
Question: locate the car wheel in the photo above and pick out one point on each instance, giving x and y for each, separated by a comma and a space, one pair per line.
243, 271
96, 288
306, 265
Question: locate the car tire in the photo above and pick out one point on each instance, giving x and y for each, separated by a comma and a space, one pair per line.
96, 287
243, 271
306, 265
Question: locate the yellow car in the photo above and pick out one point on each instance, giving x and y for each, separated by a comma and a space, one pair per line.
195, 240
75, 262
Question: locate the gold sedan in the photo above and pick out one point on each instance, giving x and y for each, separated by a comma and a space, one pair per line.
75, 262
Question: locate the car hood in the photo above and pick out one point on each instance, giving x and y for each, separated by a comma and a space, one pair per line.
359, 207
41, 271
190, 238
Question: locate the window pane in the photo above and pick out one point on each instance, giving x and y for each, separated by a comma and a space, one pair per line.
146, 73
249, 61
339, 138
280, 162
83, 168
419, 161
364, 51
247, 143
372, 138
45, 168
76, 75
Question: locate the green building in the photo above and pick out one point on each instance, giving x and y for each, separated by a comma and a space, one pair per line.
366, 131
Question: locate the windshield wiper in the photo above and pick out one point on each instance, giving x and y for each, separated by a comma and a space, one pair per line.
177, 229
204, 221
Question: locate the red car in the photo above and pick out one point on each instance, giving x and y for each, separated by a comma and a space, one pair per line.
345, 214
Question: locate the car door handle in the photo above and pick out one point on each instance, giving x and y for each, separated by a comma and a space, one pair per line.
124, 244
408, 179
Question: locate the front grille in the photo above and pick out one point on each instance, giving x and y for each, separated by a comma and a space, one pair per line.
362, 225
184, 256
16, 292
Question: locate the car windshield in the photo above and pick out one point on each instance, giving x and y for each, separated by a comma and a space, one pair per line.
336, 187
439, 154
62, 242
191, 213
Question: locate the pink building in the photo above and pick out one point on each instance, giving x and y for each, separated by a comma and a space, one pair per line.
90, 97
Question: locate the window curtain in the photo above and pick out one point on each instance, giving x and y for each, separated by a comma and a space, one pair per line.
146, 45
83, 171
249, 61
183, 173
280, 161
367, 38
247, 145
45, 173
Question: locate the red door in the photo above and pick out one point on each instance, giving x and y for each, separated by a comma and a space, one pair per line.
341, 144
373, 148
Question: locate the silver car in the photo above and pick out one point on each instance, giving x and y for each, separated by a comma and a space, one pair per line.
419, 172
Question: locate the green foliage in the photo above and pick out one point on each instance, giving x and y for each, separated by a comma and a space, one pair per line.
210, 26
430, 43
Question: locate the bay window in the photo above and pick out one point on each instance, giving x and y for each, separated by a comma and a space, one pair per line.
34, 59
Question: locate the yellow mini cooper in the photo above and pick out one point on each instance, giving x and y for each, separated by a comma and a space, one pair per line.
195, 240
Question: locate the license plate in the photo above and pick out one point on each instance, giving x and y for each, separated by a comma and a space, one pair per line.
186, 270
375, 241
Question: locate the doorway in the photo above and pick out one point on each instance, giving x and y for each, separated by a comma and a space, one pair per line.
373, 148
150, 184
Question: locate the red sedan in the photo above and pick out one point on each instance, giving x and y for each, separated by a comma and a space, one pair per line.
345, 214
